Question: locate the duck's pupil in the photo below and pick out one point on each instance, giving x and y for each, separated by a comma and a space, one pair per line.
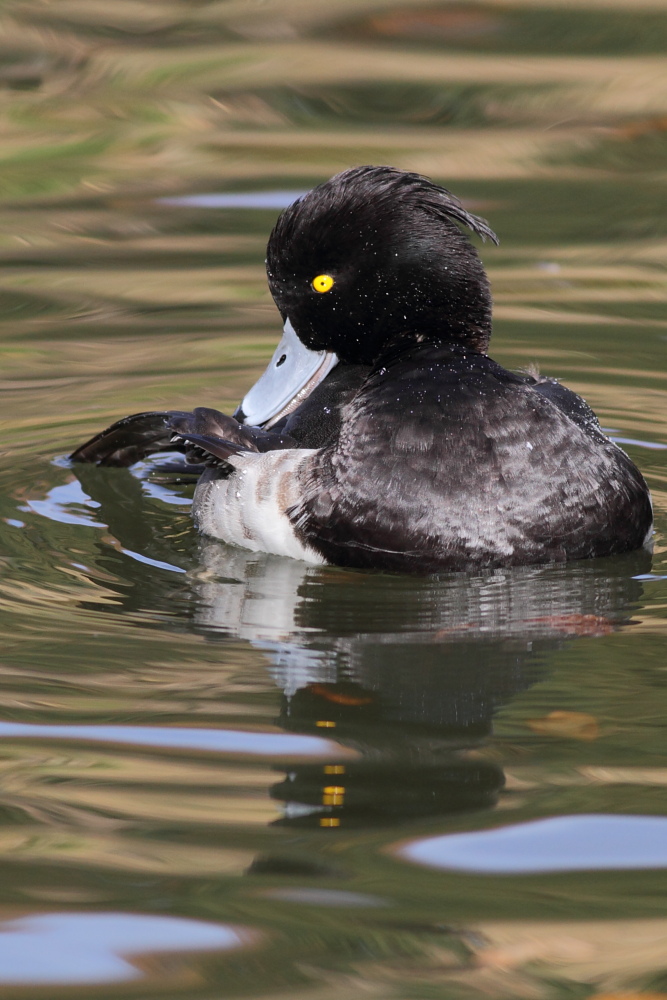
281, 360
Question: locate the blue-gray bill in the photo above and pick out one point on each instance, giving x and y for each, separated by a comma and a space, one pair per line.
291, 375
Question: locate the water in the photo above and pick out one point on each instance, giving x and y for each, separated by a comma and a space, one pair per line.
227, 774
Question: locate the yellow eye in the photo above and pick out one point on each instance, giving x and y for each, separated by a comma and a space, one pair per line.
322, 283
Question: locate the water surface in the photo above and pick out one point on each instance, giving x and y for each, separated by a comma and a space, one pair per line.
218, 767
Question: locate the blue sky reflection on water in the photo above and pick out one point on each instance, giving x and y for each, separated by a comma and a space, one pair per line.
77, 948
251, 199
558, 844
209, 740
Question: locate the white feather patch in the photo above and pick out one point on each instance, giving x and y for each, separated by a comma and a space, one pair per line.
248, 508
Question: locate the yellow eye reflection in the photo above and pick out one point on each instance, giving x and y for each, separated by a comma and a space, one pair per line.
322, 283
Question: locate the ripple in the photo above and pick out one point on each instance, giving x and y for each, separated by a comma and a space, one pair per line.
155, 563
61, 948
559, 844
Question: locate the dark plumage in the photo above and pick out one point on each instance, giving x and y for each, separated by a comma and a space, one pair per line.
401, 265
423, 453
448, 461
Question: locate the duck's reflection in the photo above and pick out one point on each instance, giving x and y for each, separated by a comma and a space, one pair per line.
407, 671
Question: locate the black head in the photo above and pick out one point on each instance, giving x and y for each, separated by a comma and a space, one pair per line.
401, 267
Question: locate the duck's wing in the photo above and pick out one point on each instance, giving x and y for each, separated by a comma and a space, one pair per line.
209, 437
129, 440
142, 434
455, 464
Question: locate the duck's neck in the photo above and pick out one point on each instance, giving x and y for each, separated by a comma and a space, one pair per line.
408, 345
469, 340
456, 314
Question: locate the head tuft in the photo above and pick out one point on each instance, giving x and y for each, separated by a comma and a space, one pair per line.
402, 264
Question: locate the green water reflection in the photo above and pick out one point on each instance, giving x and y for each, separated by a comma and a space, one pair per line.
445, 706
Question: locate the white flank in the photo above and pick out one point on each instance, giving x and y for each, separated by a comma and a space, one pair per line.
248, 508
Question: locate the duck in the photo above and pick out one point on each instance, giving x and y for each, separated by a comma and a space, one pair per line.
382, 435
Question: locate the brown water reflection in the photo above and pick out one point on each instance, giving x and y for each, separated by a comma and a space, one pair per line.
447, 706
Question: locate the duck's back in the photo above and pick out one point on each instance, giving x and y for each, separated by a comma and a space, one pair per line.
446, 461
